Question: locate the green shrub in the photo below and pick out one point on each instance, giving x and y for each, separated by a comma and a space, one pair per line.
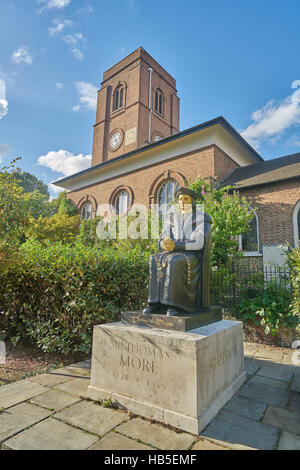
294, 265
269, 308
55, 294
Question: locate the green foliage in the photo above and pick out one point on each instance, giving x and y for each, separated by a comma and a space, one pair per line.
231, 216
54, 294
30, 183
58, 228
13, 212
294, 266
269, 307
65, 205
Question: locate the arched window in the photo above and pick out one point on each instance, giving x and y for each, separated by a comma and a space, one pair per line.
165, 195
159, 102
121, 202
249, 242
296, 223
118, 98
86, 212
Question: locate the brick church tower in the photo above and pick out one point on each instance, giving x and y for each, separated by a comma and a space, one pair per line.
137, 104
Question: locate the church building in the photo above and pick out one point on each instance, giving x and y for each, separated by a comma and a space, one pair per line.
141, 156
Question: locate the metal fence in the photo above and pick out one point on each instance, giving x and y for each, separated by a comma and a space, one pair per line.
227, 287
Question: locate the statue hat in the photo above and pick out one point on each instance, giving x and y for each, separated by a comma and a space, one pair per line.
187, 191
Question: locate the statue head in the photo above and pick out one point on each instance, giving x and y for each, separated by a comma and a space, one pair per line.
186, 198
185, 203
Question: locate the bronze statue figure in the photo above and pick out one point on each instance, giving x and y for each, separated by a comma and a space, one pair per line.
179, 272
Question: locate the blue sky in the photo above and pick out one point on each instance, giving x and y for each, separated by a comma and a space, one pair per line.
235, 58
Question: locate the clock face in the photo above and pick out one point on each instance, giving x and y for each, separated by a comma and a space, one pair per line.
115, 140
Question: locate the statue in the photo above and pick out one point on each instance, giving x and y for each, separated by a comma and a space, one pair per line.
180, 272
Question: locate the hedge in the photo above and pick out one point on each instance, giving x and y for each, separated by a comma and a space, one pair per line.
55, 294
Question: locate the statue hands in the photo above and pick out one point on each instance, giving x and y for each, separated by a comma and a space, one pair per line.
168, 244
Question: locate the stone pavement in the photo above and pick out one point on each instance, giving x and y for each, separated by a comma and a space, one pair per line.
50, 411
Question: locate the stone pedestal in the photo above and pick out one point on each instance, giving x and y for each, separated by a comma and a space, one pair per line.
179, 378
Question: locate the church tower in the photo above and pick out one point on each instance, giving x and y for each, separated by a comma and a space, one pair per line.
137, 104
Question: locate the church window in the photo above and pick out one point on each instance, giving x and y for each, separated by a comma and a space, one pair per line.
122, 202
159, 102
118, 98
166, 195
249, 242
86, 211
296, 223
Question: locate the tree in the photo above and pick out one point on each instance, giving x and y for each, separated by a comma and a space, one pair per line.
31, 183
231, 216
57, 228
13, 212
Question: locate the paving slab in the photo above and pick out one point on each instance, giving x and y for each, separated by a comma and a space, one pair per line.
51, 435
115, 441
238, 430
54, 400
296, 384
251, 367
283, 419
250, 349
156, 435
246, 407
274, 373
265, 394
294, 403
289, 441
76, 387
92, 418
19, 417
259, 379
269, 354
72, 371
49, 380
203, 444
17, 392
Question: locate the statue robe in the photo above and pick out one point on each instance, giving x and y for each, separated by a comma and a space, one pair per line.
176, 276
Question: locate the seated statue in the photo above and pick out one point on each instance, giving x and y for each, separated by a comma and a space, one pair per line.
179, 272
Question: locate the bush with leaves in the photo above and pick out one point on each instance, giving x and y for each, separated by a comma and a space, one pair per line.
294, 266
55, 294
231, 216
270, 308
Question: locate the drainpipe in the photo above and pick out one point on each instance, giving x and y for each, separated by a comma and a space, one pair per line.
150, 70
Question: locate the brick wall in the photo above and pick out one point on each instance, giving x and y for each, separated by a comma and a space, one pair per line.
274, 206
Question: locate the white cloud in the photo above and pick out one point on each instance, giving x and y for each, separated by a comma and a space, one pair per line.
22, 55
59, 86
87, 96
54, 4
77, 53
4, 149
65, 162
58, 26
274, 118
74, 41
3, 101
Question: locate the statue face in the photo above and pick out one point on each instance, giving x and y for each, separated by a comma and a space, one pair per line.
185, 202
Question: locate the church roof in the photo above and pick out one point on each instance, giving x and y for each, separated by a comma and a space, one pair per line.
266, 172
219, 121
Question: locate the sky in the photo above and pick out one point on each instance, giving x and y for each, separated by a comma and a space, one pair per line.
235, 58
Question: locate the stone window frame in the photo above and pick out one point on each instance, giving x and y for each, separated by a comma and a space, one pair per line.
257, 252
120, 86
84, 200
116, 192
159, 102
296, 225
159, 180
